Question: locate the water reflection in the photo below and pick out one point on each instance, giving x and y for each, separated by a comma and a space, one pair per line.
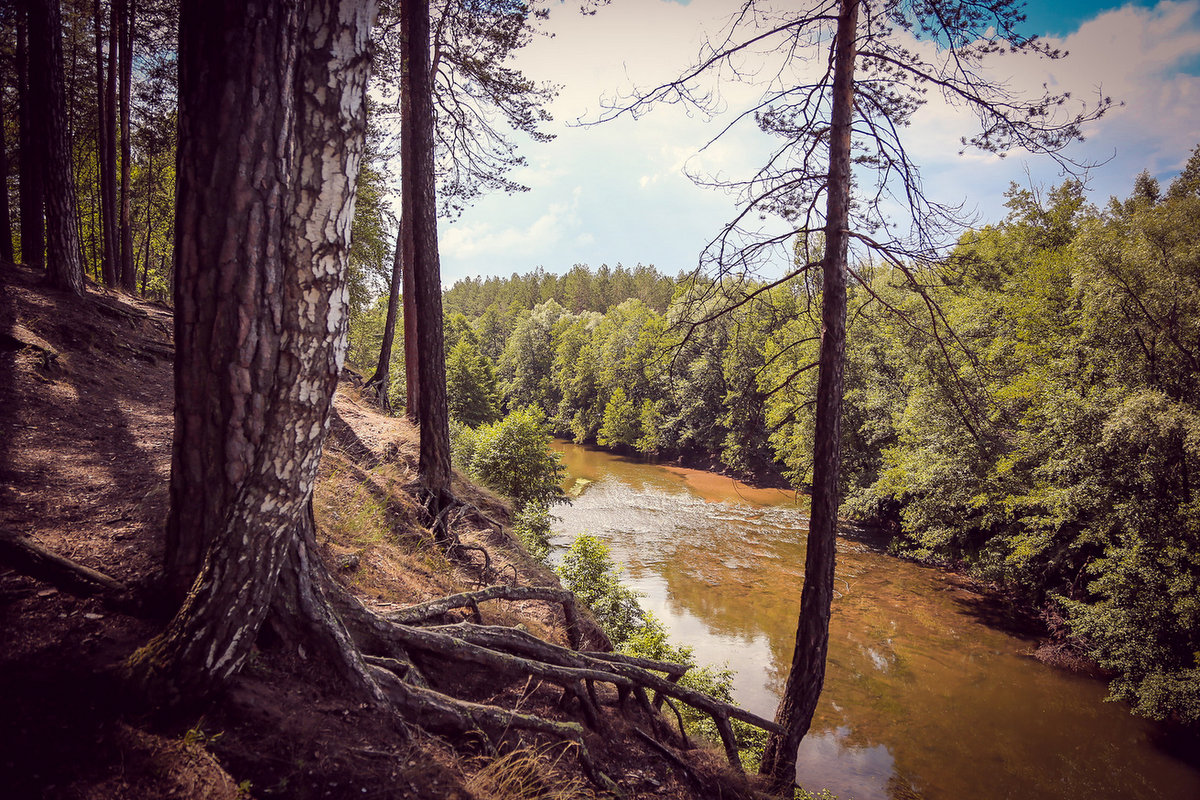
921, 700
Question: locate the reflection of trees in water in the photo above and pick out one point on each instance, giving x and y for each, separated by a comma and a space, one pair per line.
912, 673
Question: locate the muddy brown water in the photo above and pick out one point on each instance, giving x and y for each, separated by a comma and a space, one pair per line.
922, 698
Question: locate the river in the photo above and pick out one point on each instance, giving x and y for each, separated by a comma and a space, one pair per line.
922, 698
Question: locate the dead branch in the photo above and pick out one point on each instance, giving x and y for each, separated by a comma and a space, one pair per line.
23, 555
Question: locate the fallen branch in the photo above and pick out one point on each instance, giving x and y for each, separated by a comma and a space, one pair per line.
23, 555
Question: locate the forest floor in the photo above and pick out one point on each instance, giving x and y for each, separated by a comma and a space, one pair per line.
86, 393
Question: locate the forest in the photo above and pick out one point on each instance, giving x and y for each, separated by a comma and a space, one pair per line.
1018, 404
1029, 416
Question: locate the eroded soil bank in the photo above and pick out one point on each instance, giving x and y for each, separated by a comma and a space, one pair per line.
85, 437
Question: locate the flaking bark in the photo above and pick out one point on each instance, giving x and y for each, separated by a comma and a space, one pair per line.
271, 137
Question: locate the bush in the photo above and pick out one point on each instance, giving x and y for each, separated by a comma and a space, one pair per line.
531, 526
512, 457
589, 571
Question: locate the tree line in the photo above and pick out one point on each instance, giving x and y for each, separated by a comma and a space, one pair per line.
1032, 417
268, 169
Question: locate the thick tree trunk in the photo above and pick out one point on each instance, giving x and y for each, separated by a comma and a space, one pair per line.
6, 240
105, 154
807, 675
271, 135
32, 188
417, 180
123, 10
64, 259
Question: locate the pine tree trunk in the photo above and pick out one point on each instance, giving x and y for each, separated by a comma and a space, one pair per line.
417, 179
381, 380
64, 258
105, 157
6, 240
807, 675
32, 188
123, 10
272, 125
412, 351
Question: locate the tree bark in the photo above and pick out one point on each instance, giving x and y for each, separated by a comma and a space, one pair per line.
123, 10
382, 378
412, 350
417, 181
272, 124
105, 92
6, 240
807, 675
33, 199
64, 259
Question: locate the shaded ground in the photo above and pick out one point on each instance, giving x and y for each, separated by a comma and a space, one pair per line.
85, 438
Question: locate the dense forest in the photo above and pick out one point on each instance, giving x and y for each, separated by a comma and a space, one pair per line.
1029, 413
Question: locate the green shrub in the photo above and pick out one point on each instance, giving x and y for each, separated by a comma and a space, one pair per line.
512, 457
531, 526
589, 571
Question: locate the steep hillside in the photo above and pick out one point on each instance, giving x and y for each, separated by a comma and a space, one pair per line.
85, 440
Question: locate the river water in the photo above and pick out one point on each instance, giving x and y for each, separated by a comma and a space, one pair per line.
922, 698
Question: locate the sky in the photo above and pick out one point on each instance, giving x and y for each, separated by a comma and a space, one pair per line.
618, 192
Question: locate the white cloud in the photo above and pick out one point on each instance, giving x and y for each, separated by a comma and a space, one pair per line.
640, 206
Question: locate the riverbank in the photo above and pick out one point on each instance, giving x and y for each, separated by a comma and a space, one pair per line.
932, 688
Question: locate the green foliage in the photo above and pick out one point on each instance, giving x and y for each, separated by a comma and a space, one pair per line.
650, 421
471, 390
531, 526
622, 422
365, 338
525, 364
511, 456
1054, 448
589, 571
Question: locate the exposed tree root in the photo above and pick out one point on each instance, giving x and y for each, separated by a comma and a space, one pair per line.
426, 612
371, 653
667, 753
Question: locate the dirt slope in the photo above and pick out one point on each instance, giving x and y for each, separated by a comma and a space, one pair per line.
85, 438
